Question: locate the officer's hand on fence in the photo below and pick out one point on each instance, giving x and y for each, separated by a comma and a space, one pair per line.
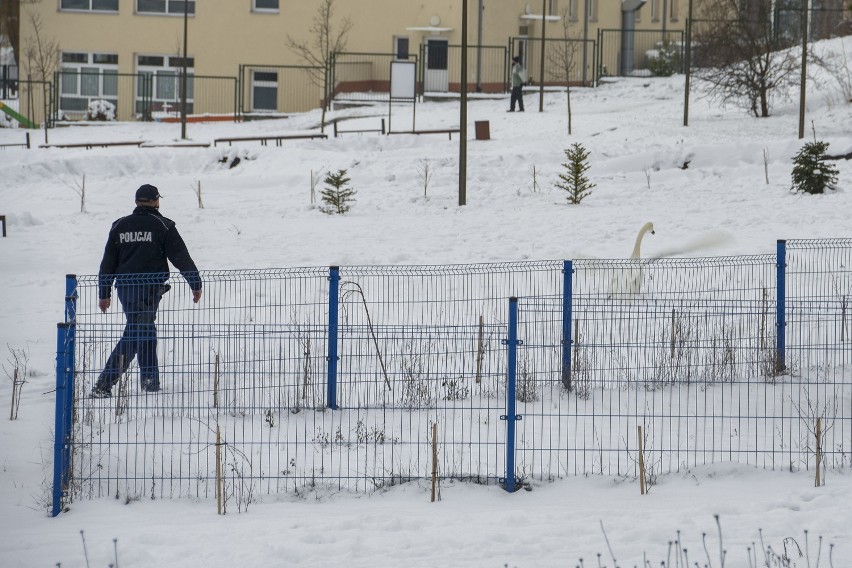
196, 296
103, 304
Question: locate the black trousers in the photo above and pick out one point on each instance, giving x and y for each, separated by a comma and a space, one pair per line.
139, 303
517, 96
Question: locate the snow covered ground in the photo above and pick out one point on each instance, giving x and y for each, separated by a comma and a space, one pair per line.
703, 186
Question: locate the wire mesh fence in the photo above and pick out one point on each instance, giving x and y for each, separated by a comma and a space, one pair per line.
357, 378
268, 89
623, 52
247, 378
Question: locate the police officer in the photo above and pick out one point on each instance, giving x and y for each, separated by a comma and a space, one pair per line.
135, 258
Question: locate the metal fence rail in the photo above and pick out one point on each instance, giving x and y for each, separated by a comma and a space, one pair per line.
269, 89
626, 52
287, 380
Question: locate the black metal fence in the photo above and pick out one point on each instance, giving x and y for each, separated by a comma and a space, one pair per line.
142, 96
566, 61
269, 89
8, 82
623, 53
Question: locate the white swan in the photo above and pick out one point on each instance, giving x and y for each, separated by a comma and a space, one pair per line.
646, 228
627, 281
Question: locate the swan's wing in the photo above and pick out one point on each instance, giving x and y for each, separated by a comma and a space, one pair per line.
707, 240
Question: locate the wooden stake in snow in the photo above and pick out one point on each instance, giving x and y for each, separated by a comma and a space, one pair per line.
480, 349
198, 193
819, 481
216, 383
765, 166
219, 482
641, 462
434, 459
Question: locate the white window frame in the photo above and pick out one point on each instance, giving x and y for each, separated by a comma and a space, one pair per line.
171, 69
264, 10
166, 12
264, 84
82, 75
90, 9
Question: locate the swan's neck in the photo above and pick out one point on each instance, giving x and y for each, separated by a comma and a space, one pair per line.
636, 248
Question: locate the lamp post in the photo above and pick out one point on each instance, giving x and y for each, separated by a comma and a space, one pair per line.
688, 66
183, 75
804, 79
479, 49
541, 66
463, 111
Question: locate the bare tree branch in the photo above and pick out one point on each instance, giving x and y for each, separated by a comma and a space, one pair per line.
743, 54
325, 39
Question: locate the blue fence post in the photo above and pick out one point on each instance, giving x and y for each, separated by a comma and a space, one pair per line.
567, 304
333, 291
60, 441
511, 415
70, 297
780, 306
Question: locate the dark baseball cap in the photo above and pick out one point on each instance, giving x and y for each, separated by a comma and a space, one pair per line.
147, 192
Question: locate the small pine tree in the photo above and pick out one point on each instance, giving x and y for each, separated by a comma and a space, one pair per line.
337, 195
811, 173
574, 180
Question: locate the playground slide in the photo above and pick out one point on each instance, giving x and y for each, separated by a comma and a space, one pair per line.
25, 122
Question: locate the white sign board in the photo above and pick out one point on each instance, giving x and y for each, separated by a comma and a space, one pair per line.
403, 80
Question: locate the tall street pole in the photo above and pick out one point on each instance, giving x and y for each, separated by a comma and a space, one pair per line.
479, 49
183, 77
463, 112
804, 69
687, 65
541, 67
586, 40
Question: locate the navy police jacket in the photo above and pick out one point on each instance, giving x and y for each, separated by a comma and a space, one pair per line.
137, 251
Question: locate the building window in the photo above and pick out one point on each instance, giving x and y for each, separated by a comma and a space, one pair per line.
159, 83
573, 10
553, 7
673, 10
84, 77
264, 91
593, 10
655, 10
400, 47
265, 5
175, 7
89, 5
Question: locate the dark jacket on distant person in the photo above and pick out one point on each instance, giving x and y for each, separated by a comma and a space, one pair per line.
141, 243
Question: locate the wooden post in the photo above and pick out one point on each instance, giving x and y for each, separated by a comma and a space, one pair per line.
434, 459
480, 349
673, 339
14, 394
641, 462
575, 366
306, 373
216, 383
219, 484
3, 222
818, 481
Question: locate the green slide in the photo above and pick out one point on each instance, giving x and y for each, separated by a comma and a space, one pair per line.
25, 122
